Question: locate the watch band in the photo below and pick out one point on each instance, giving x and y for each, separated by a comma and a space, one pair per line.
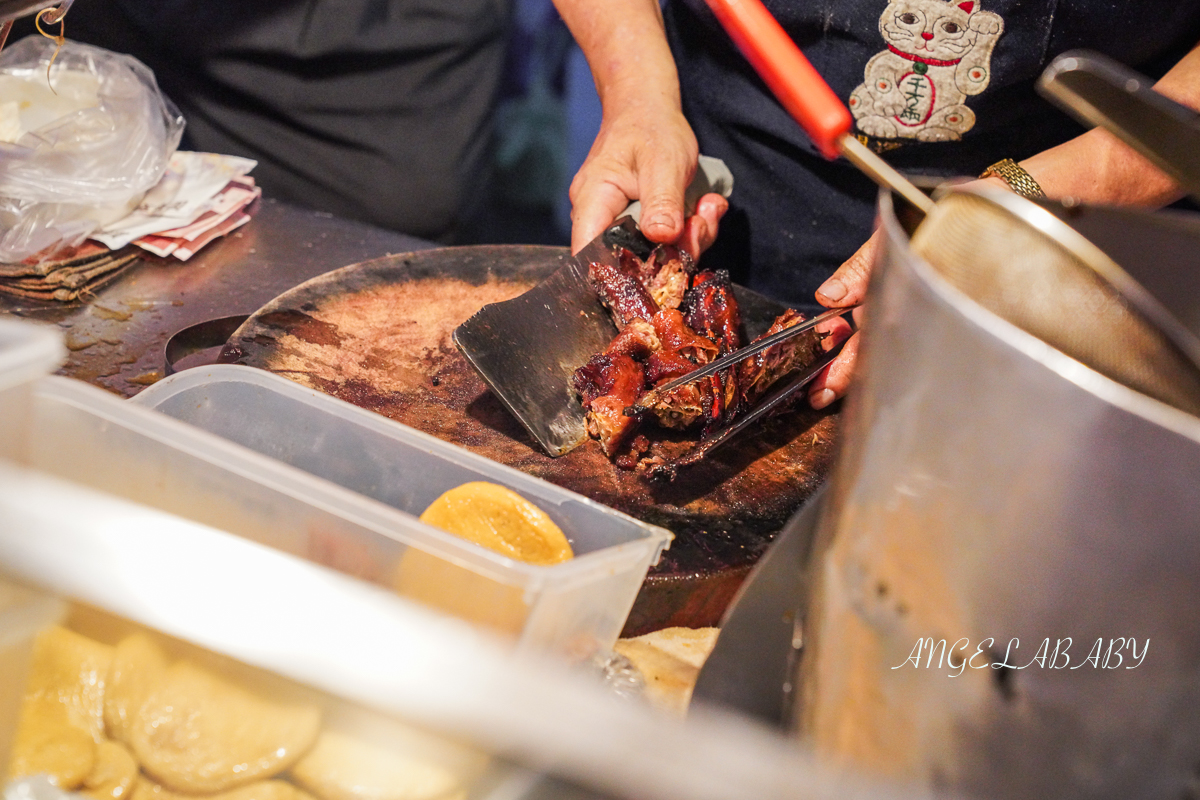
1018, 179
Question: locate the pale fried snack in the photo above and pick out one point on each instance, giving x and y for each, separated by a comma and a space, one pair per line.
48, 744
342, 768
196, 736
670, 661
62, 715
196, 733
138, 668
113, 774
147, 789
72, 669
500, 520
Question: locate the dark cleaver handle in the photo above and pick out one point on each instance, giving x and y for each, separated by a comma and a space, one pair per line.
1101, 92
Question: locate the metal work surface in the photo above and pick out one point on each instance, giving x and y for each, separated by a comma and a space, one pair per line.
116, 339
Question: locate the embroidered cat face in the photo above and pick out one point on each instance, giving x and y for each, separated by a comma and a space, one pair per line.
938, 54
928, 28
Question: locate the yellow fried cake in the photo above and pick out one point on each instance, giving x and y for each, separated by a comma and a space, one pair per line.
343, 768
500, 520
113, 773
48, 744
198, 734
138, 668
72, 669
62, 715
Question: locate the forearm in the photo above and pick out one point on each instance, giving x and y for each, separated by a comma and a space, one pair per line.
626, 47
1098, 168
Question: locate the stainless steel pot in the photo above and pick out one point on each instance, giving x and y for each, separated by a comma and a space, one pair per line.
1035, 515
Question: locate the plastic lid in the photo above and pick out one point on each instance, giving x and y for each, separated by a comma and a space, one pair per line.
24, 612
27, 352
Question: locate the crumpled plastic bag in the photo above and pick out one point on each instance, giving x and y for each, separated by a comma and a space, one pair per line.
83, 155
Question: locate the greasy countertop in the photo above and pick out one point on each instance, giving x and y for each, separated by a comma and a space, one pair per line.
115, 339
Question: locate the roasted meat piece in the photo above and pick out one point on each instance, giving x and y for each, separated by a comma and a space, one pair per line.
681, 408
638, 340
621, 290
672, 320
677, 337
682, 351
710, 309
608, 384
757, 373
667, 274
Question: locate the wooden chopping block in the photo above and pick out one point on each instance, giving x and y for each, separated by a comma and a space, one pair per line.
377, 335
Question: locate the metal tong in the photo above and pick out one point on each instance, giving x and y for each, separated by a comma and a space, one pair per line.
773, 400
729, 359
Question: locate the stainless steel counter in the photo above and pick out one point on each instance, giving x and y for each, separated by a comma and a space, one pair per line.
116, 339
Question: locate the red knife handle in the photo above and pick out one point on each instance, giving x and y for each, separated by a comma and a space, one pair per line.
803, 92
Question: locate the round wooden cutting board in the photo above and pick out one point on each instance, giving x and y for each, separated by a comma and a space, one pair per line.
378, 335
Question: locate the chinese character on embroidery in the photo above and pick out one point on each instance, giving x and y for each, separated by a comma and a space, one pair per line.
914, 97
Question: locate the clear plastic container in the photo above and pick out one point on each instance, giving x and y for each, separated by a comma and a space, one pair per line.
366, 526
383, 670
23, 614
27, 352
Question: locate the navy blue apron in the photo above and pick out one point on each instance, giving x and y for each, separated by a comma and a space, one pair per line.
949, 91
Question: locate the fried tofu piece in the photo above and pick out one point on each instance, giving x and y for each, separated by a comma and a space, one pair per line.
343, 768
198, 734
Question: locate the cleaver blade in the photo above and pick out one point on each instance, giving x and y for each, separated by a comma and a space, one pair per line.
526, 349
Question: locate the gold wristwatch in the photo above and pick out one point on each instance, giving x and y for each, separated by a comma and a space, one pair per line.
1018, 179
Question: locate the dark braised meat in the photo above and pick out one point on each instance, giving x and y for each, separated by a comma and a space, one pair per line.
667, 365
682, 351
671, 321
607, 384
667, 273
677, 337
620, 289
757, 373
710, 309
639, 339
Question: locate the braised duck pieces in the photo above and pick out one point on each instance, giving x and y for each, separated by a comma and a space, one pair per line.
756, 375
671, 319
759, 372
613, 380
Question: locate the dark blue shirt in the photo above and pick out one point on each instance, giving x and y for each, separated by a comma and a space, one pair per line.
379, 110
795, 217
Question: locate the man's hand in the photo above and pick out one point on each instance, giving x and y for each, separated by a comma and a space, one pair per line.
645, 149
648, 153
845, 288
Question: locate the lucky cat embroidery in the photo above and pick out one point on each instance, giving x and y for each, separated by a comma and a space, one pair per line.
938, 54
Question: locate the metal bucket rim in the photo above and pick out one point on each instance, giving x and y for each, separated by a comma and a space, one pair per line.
1106, 389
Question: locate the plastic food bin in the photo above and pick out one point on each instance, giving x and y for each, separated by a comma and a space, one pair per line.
509, 725
23, 613
379, 668
341, 488
27, 352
